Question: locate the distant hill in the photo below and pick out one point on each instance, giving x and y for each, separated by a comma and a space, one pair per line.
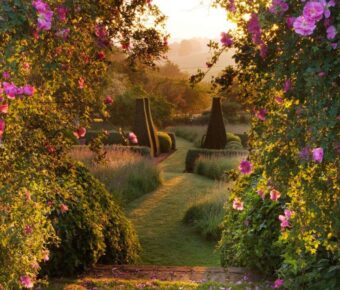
191, 54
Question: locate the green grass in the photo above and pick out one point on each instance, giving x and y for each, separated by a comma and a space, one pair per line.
158, 216
215, 167
127, 175
206, 214
114, 283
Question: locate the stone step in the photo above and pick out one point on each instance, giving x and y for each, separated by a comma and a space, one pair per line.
173, 273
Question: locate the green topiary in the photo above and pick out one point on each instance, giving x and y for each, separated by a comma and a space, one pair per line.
194, 154
94, 227
216, 134
233, 137
164, 142
152, 128
141, 127
173, 140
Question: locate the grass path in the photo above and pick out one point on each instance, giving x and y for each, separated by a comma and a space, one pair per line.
158, 217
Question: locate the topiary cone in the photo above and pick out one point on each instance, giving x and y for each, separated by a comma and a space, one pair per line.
141, 126
152, 128
216, 135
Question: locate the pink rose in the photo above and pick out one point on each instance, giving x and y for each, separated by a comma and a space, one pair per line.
304, 26
313, 11
245, 167
238, 204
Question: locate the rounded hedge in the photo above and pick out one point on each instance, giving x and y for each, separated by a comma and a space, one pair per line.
93, 229
164, 142
233, 137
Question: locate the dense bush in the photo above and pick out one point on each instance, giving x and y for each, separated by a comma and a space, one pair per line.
92, 228
214, 167
165, 142
206, 215
194, 154
120, 171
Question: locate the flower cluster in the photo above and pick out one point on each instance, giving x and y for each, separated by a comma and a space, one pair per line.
278, 7
45, 14
313, 12
254, 29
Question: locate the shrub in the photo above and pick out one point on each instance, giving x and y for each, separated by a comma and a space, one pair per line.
121, 170
114, 138
194, 154
234, 145
233, 137
164, 142
93, 228
214, 167
173, 140
244, 139
206, 215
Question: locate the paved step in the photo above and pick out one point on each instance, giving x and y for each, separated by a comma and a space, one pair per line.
173, 273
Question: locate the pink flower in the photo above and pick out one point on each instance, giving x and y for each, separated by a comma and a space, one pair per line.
26, 281
275, 195
45, 20
245, 167
28, 90
28, 230
2, 127
26, 66
331, 32
326, 6
101, 55
279, 100
80, 133
304, 26
238, 204
318, 154
63, 208
263, 50
285, 218
46, 256
101, 31
261, 114
81, 83
334, 45
254, 29
261, 193
313, 11
108, 100
4, 109
231, 6
287, 86
10, 90
6, 75
226, 39
133, 138
62, 13
278, 283
321, 74
40, 6
290, 21
278, 7
63, 33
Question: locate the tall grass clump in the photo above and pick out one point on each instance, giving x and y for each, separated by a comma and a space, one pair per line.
127, 175
206, 215
215, 167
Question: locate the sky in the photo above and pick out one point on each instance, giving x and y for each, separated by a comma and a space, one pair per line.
193, 18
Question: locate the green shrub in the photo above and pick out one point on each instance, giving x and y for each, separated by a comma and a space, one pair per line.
206, 215
194, 154
233, 137
164, 142
244, 139
214, 167
173, 140
234, 145
93, 228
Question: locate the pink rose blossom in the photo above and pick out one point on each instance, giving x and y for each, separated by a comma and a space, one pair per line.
313, 11
326, 6
254, 29
63, 208
275, 195
81, 83
46, 256
80, 133
2, 127
10, 90
261, 114
245, 167
108, 100
290, 21
62, 13
261, 193
318, 154
6, 75
28, 90
45, 20
304, 26
331, 32
133, 138
4, 109
26, 281
28, 230
321, 74
287, 86
278, 283
279, 100
278, 7
238, 204
226, 39
101, 31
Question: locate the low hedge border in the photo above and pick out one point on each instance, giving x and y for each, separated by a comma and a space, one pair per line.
194, 154
142, 150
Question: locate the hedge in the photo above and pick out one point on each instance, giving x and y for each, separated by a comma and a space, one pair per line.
194, 154
164, 142
232, 137
112, 139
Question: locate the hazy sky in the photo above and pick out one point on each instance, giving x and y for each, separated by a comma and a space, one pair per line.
193, 18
